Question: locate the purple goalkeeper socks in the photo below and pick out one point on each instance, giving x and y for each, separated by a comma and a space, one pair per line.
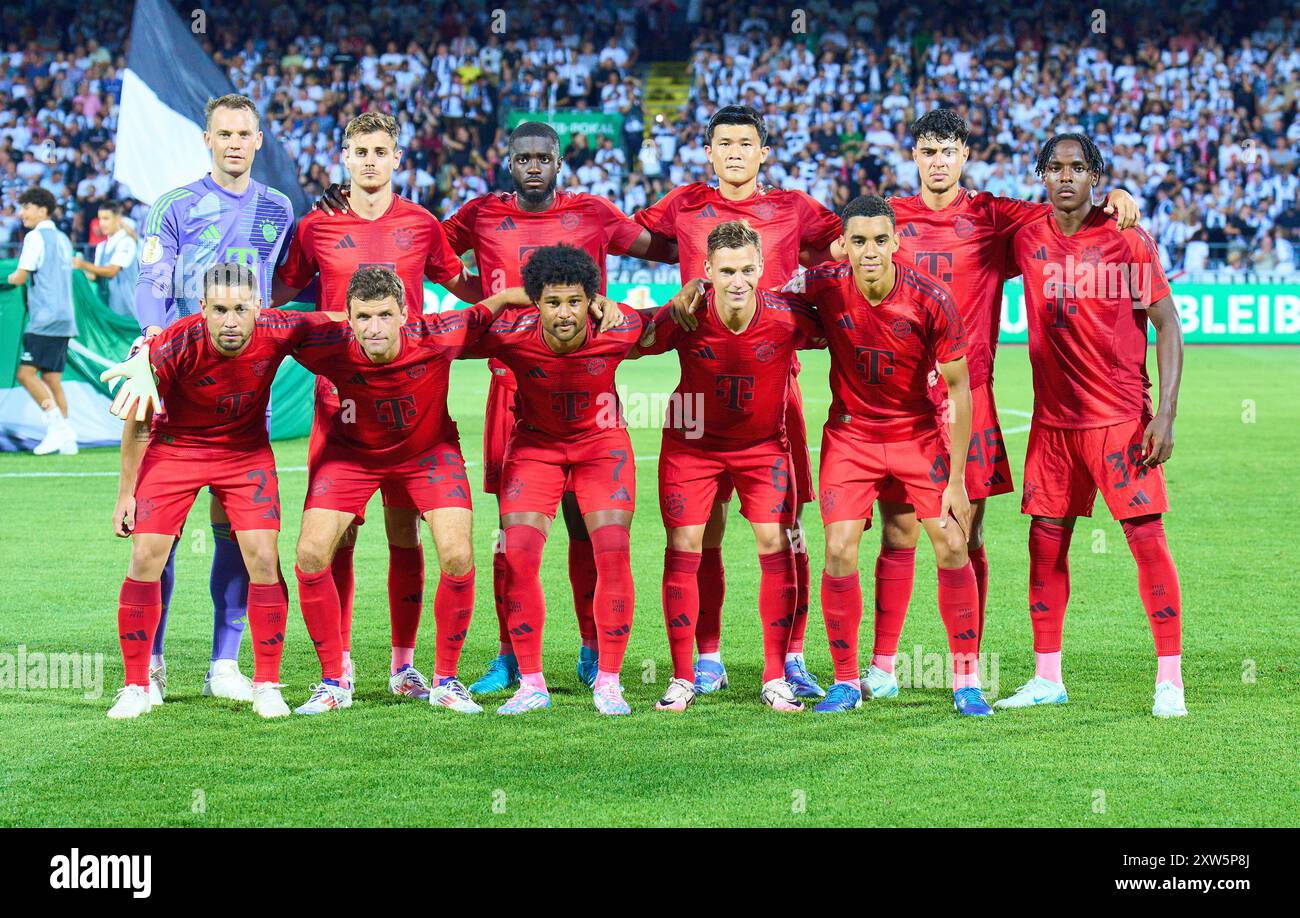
229, 587
168, 581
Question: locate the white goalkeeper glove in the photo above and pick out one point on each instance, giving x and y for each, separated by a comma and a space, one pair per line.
138, 390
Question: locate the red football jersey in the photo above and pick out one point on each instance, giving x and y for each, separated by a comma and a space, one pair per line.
1085, 300
563, 395
210, 400
391, 412
740, 380
786, 221
503, 236
407, 238
965, 246
881, 356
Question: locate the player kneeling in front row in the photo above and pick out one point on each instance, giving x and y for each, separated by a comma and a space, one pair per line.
214, 372
569, 424
394, 432
736, 367
887, 324
1089, 290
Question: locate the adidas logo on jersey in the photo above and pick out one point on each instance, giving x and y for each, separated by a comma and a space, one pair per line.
620, 494
346, 242
705, 353
845, 322
706, 213
206, 381
1140, 499
506, 225
909, 230
357, 379
457, 491
995, 479
681, 621
537, 373
1041, 254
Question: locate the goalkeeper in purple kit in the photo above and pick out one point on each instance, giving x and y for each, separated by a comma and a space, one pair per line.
224, 217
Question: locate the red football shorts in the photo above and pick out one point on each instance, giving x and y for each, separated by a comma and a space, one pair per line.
690, 476
170, 478
855, 471
598, 466
1064, 469
988, 471
327, 406
344, 480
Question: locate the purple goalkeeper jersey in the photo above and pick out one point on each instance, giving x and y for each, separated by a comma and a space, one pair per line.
196, 226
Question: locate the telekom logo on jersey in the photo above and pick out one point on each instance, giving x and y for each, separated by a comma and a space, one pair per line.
1092, 278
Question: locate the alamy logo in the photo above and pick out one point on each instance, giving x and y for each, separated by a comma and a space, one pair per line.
103, 871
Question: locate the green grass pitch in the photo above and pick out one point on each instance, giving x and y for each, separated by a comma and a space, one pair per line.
1101, 760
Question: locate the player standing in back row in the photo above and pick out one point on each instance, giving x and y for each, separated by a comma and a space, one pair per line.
379, 228
1089, 290
226, 216
794, 230
960, 237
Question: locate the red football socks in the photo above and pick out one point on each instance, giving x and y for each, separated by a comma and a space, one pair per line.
453, 605
681, 600
319, 599
979, 561
345, 585
615, 595
524, 602
405, 594
1049, 583
499, 598
268, 612
802, 587
582, 576
777, 595
139, 606
1157, 582
959, 609
712, 580
842, 610
895, 571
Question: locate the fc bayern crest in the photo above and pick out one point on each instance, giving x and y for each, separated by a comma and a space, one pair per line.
1092, 254
764, 210
260, 367
901, 328
828, 500
765, 352
962, 226
675, 503
513, 487
144, 509
570, 221
595, 366
416, 371
403, 238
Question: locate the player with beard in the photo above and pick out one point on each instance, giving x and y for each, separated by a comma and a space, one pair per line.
503, 230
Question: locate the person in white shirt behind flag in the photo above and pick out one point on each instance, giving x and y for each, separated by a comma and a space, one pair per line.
46, 259
115, 259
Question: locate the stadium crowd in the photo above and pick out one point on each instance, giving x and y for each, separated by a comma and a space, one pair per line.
1198, 121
